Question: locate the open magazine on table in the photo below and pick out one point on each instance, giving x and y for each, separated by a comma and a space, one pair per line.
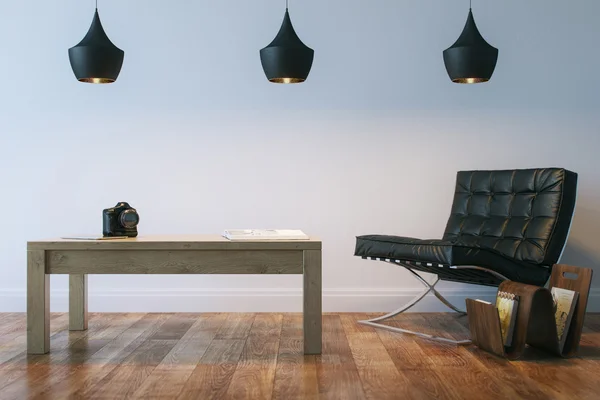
265, 234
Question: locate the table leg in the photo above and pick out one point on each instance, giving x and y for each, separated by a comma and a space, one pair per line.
78, 310
38, 303
312, 302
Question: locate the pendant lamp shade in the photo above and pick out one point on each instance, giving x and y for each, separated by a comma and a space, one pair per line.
286, 59
470, 59
96, 59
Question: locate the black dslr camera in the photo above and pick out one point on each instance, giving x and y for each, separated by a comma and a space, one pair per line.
120, 220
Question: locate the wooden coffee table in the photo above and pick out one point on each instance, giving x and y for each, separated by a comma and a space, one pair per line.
195, 254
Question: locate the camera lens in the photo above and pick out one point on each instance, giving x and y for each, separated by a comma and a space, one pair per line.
129, 218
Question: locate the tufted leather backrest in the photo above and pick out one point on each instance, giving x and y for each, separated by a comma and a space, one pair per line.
522, 214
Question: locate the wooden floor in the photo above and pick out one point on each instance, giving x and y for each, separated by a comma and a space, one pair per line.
259, 356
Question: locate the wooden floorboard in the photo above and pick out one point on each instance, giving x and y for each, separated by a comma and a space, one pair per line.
255, 371
295, 373
260, 356
169, 377
84, 378
212, 375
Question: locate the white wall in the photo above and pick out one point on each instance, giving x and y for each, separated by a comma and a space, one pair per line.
369, 144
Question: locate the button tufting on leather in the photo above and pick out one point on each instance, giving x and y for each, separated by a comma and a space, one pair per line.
511, 197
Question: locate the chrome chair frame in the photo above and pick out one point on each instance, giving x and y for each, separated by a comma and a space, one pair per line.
429, 287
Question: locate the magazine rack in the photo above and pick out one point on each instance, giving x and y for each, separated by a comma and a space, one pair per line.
535, 324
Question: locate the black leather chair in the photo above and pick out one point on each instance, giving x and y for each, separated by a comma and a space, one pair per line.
510, 224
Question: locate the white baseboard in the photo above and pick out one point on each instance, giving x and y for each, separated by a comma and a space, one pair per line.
255, 300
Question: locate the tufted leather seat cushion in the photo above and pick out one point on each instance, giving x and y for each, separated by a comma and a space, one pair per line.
514, 222
433, 251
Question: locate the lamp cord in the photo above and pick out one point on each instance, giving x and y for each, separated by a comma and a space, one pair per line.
286, 4
96, 4
469, 4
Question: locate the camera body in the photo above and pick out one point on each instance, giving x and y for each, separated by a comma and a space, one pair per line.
120, 220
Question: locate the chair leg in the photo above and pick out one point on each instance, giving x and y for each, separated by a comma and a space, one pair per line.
429, 287
447, 303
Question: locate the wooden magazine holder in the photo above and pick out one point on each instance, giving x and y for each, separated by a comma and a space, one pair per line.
535, 324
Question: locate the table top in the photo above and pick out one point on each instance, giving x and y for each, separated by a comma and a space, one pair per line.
174, 242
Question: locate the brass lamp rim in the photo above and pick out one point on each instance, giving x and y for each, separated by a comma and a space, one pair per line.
96, 80
470, 80
287, 80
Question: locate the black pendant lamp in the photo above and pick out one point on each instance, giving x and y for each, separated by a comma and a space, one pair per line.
470, 59
96, 59
286, 59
